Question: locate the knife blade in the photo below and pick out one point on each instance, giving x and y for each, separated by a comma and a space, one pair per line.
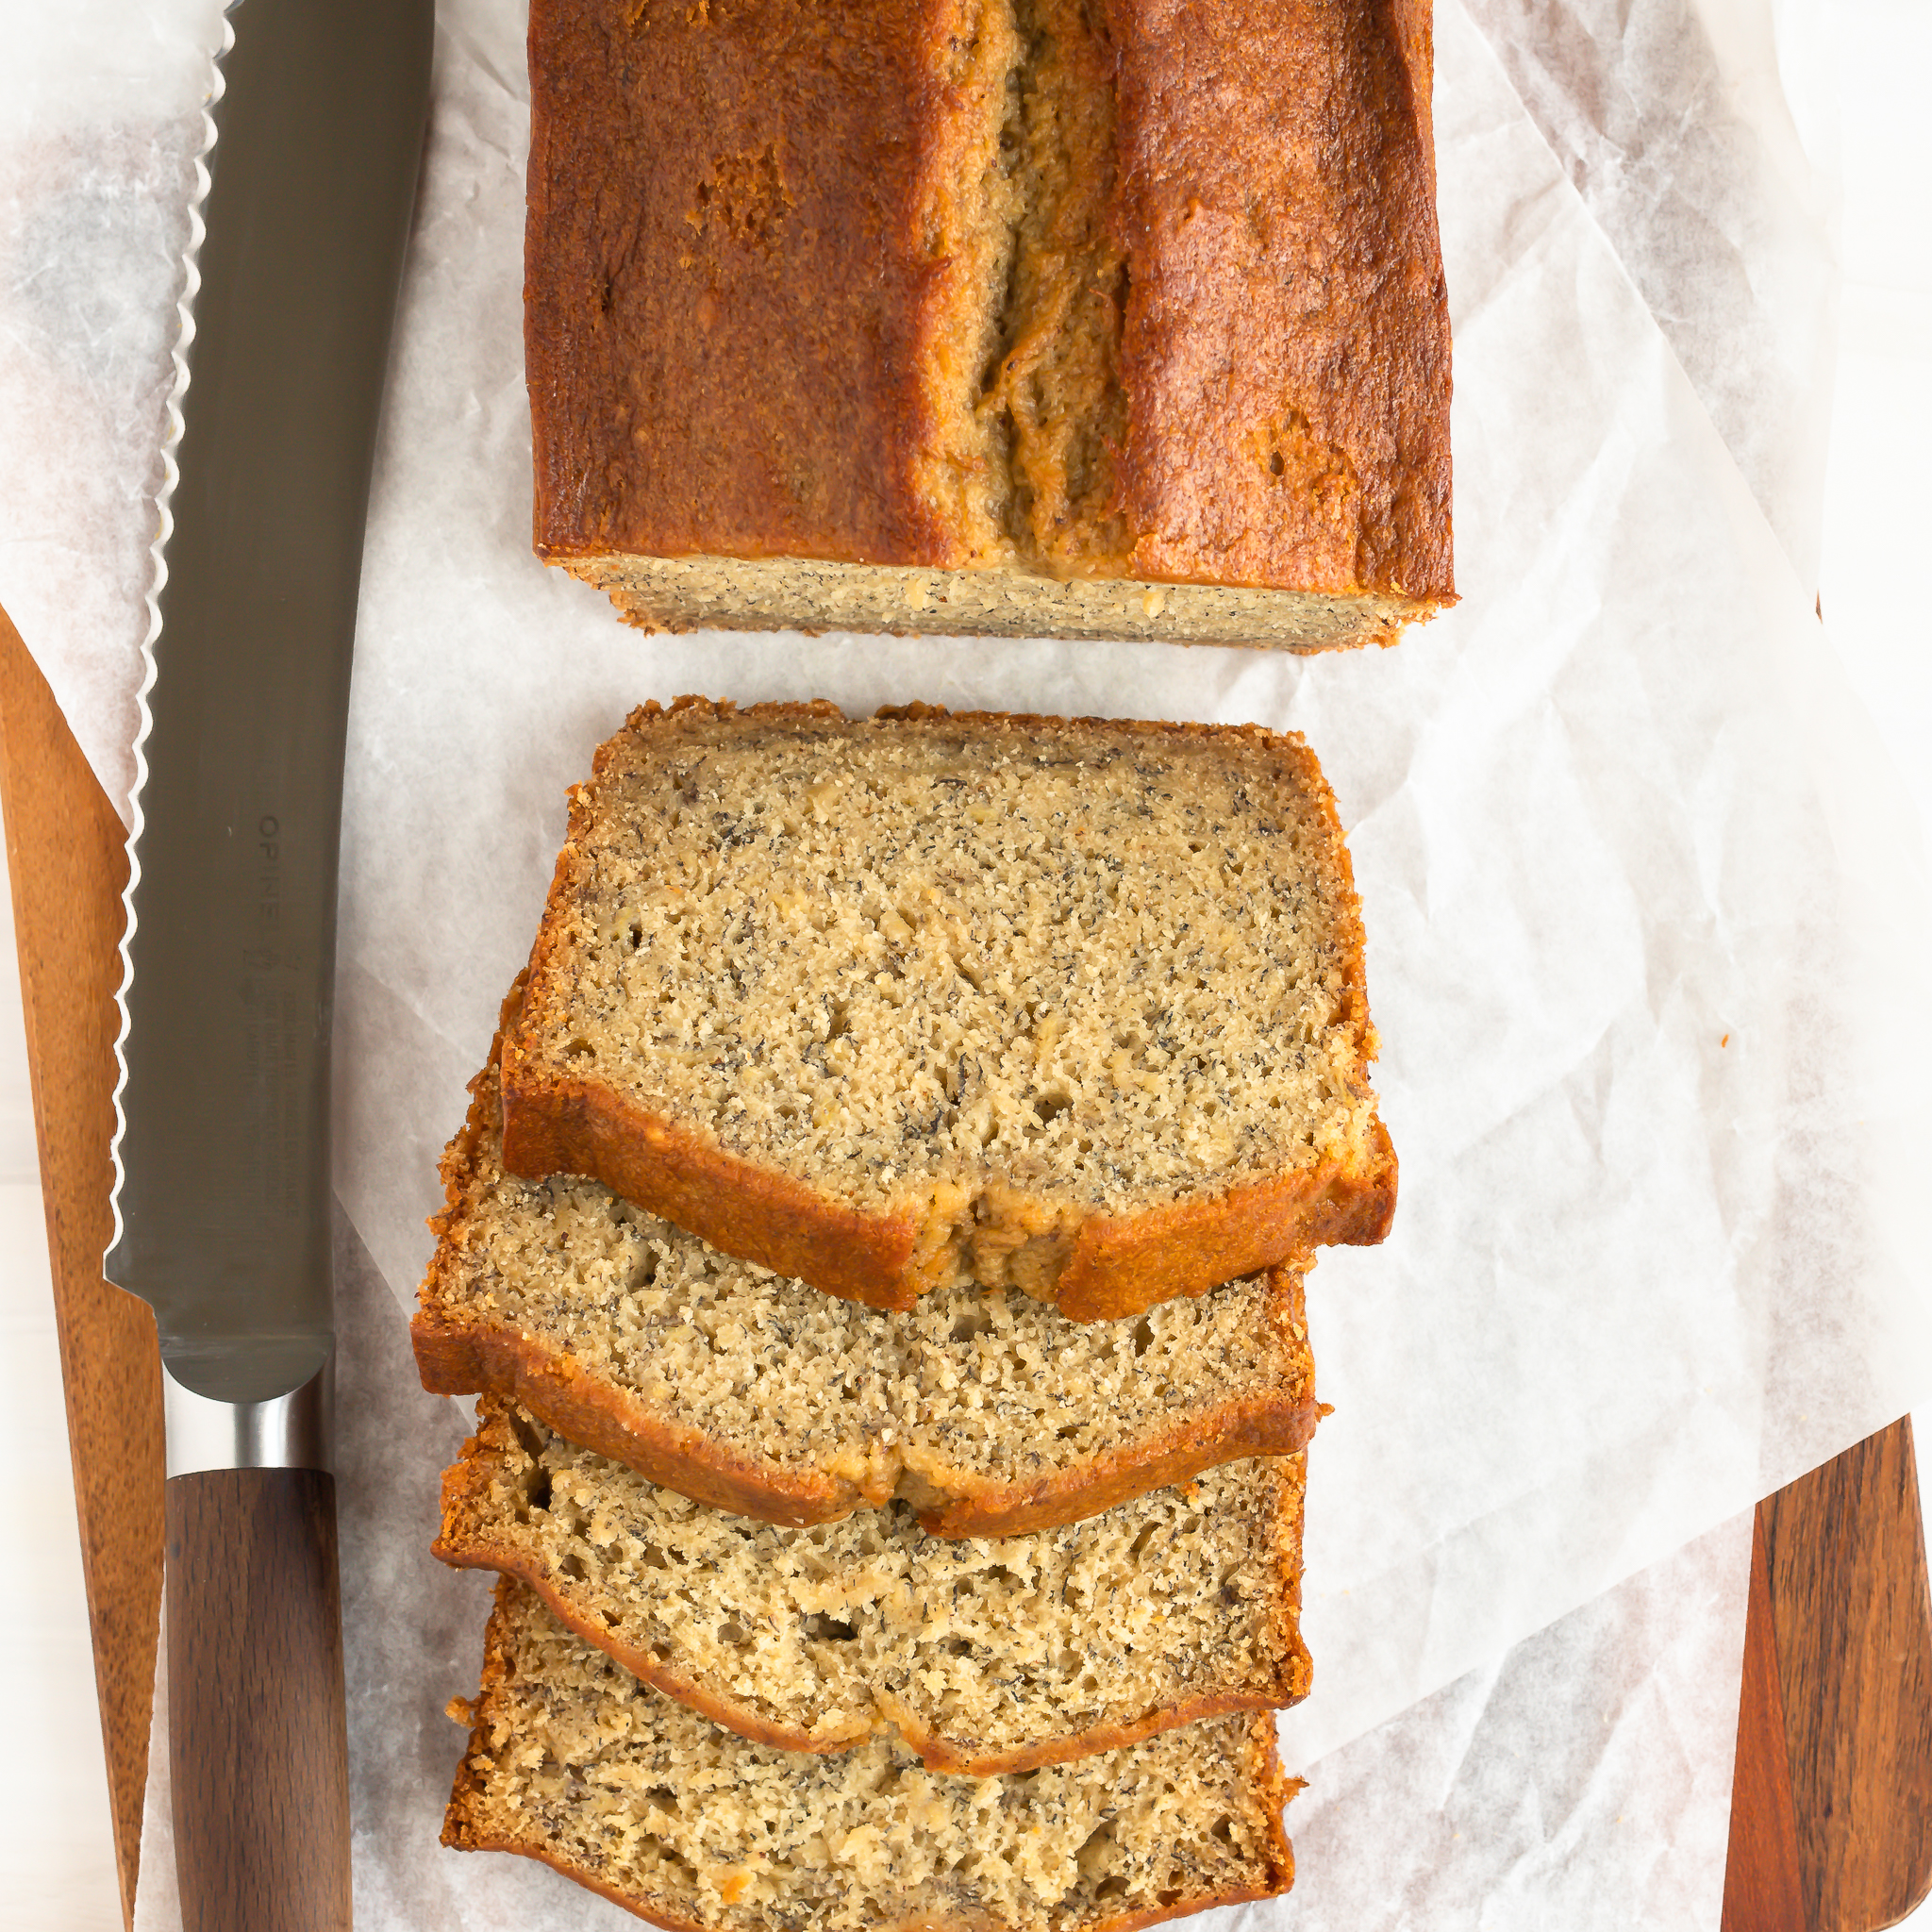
221, 1158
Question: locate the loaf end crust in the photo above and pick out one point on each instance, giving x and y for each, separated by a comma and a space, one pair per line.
1190, 255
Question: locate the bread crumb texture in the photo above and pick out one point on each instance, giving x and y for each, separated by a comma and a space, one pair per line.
979, 1654
970, 1391
709, 592
994, 976
575, 1762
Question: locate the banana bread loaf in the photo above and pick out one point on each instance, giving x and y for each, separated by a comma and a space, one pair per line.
1035, 317
982, 1654
988, 1413
893, 1004
572, 1762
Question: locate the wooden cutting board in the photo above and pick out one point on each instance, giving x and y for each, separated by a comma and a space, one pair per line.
1831, 1823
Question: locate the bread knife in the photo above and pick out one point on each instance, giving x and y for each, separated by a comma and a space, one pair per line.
222, 1151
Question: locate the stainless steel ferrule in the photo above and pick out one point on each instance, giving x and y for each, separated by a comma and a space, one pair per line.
292, 1431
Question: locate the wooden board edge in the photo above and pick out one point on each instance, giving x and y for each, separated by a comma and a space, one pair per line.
1846, 1557
1764, 1887
67, 860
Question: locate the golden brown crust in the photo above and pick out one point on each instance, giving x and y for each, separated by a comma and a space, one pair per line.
1413, 34
460, 1357
1285, 350
701, 182
733, 1715
460, 1836
1116, 1265
461, 1351
454, 1358
463, 1542
1090, 1743
1277, 1427
569, 1126
1298, 1669
1265, 1774
461, 1832
1123, 1266
708, 375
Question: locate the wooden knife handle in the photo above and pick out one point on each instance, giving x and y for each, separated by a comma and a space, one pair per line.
257, 1731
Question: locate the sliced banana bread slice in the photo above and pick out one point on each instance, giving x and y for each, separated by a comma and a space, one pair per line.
988, 1414
894, 1004
985, 1654
574, 1763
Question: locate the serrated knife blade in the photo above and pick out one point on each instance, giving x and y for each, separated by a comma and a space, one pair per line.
223, 1154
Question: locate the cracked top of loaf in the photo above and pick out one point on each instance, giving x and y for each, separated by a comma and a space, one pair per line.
1075, 288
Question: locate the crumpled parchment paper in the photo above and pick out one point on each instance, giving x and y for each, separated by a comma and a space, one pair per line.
1647, 911
1579, 1780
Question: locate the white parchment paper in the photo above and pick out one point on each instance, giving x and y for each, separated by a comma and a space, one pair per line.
1580, 1779
1647, 913
1648, 1045
1688, 130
